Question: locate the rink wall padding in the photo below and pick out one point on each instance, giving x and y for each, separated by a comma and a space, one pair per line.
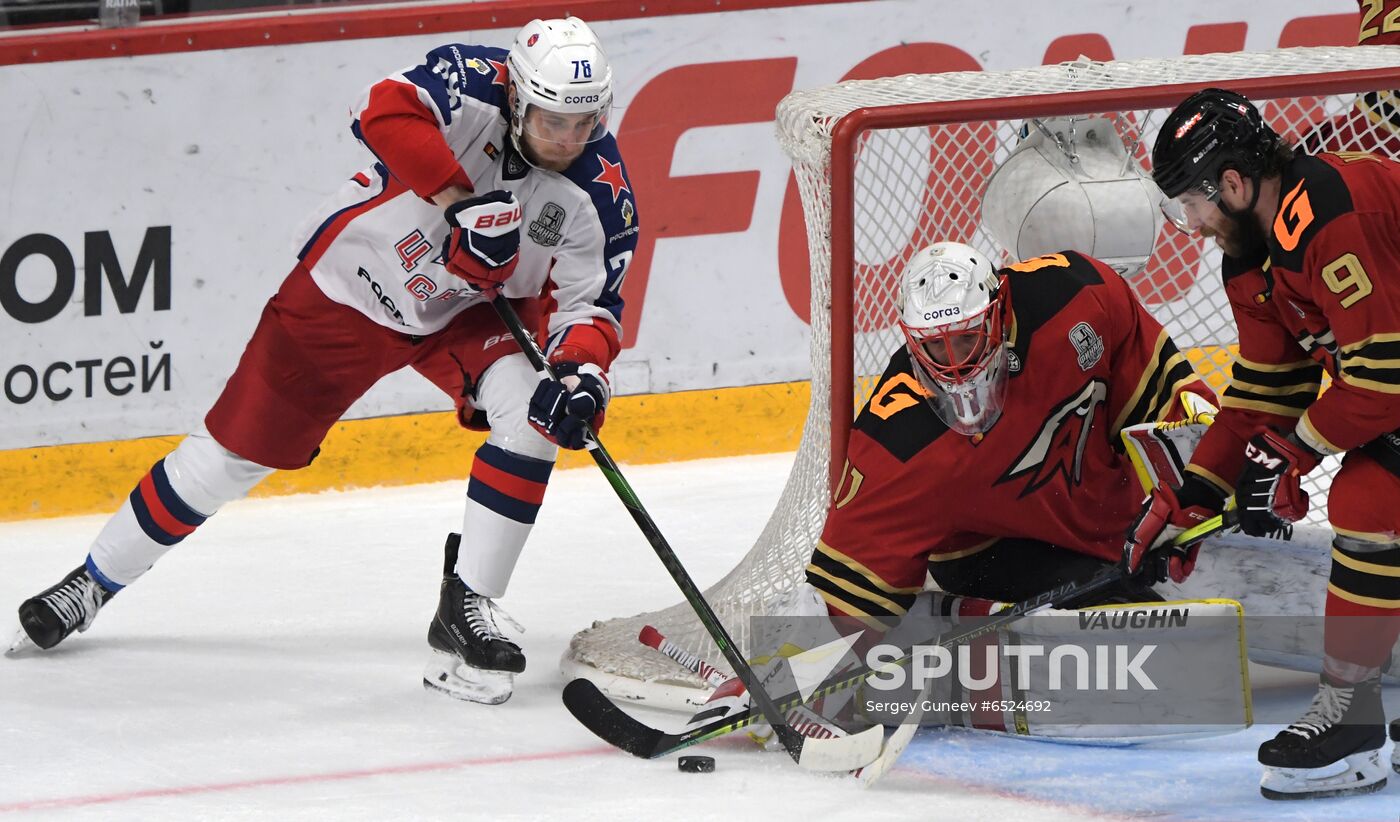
88, 478
156, 182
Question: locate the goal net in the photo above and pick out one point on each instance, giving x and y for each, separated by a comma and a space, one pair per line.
888, 166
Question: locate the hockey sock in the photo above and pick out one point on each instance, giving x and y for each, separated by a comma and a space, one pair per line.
503, 499
1363, 608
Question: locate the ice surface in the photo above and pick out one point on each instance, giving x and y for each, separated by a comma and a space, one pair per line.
269, 668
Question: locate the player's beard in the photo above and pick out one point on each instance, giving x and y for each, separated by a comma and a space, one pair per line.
1243, 238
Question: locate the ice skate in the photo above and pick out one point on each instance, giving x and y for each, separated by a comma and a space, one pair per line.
1333, 750
49, 617
1395, 751
471, 659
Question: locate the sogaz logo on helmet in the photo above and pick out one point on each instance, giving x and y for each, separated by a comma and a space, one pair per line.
582, 98
940, 313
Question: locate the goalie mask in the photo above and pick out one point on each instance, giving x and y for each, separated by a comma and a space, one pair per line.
952, 310
1073, 184
562, 83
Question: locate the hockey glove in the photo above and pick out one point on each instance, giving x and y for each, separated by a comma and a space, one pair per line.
1148, 553
1269, 494
483, 239
563, 408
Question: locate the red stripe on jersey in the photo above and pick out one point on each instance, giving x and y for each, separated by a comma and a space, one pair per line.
405, 135
328, 234
507, 483
159, 513
594, 342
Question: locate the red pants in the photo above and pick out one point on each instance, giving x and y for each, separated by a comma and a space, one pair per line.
310, 358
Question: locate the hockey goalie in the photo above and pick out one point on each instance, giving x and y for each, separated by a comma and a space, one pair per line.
1006, 450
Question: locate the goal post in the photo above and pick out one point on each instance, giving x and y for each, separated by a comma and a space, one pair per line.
887, 166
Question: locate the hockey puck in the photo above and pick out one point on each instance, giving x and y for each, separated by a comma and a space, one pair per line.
696, 764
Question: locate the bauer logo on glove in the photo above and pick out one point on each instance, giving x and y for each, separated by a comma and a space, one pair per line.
483, 241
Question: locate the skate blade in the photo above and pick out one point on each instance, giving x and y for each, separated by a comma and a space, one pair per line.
1359, 773
446, 674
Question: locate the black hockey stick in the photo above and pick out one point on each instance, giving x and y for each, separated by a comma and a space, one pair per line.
607, 721
832, 754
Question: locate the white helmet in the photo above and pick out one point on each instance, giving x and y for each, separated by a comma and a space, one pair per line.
1071, 184
559, 66
952, 309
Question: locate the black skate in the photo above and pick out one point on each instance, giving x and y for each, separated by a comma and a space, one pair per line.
1333, 750
471, 660
48, 618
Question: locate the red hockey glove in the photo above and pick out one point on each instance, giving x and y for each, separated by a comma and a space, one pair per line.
483, 239
1269, 494
561, 407
1148, 552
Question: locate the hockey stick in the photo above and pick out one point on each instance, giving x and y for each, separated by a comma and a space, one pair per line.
801, 718
653, 638
904, 734
618, 728
834, 754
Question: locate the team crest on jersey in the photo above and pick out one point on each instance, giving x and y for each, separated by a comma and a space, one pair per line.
1058, 447
628, 212
515, 165
611, 176
1013, 361
1088, 345
545, 230
479, 66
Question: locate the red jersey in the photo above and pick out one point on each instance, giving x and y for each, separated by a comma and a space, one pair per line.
1373, 123
1327, 298
1086, 360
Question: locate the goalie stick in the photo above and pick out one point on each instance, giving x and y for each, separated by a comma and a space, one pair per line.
832, 754
592, 708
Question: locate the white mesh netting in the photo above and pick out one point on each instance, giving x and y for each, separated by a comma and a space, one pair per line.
918, 184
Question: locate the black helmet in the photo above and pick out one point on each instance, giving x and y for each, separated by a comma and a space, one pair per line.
1206, 133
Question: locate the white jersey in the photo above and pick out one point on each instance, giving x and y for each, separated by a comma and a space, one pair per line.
378, 247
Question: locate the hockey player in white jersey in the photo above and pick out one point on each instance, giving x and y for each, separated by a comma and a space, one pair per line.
495, 173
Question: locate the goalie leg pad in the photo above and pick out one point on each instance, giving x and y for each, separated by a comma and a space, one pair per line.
446, 673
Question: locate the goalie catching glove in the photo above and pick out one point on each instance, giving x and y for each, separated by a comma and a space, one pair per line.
1147, 553
562, 409
1269, 494
483, 240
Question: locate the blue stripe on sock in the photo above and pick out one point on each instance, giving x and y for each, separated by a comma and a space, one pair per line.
523, 467
143, 518
101, 577
507, 506
176, 506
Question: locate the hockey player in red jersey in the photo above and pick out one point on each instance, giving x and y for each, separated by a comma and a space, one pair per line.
1372, 123
495, 173
988, 455
1312, 273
